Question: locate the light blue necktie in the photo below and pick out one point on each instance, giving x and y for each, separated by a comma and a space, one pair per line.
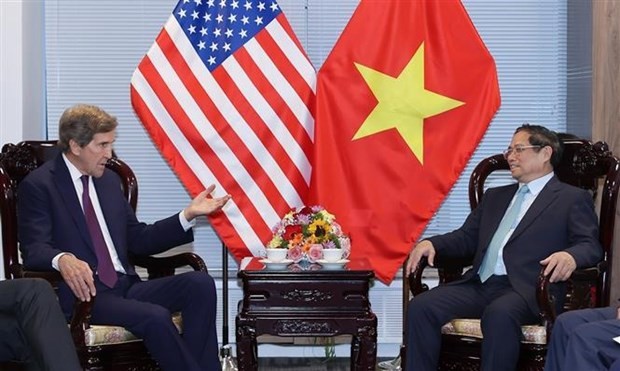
490, 258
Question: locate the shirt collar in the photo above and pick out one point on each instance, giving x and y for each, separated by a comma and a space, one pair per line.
73, 171
536, 185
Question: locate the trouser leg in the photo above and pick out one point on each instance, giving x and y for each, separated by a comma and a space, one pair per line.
565, 326
501, 329
33, 304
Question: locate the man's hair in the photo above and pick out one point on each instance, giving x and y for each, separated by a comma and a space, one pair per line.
541, 136
81, 122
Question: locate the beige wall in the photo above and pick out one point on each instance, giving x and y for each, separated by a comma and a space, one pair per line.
606, 95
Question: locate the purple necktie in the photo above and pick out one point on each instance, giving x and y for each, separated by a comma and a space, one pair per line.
105, 268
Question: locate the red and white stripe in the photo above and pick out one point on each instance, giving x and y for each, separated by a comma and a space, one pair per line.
246, 127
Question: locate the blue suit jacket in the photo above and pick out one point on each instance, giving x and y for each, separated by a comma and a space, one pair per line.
51, 221
562, 218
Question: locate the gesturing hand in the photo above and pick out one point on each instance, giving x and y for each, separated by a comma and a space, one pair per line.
205, 205
78, 275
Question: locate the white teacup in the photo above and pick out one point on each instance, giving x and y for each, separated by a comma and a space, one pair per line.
276, 255
332, 255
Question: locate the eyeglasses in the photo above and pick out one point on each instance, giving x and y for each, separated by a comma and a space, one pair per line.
517, 150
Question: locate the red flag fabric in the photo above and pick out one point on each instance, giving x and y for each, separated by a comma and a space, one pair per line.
226, 93
402, 102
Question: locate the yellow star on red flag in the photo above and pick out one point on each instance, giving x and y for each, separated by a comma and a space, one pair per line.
403, 103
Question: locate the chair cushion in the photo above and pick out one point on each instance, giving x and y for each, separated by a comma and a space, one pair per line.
532, 334
106, 335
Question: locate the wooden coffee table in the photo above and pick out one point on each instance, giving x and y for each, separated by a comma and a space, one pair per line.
314, 302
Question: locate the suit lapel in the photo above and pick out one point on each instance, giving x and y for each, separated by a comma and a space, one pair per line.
541, 203
66, 189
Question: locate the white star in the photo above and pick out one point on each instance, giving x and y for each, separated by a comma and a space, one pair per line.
258, 20
207, 17
261, 6
181, 13
185, 1
201, 45
229, 32
248, 5
211, 60
243, 33
203, 31
232, 18
213, 46
217, 32
234, 4
274, 7
245, 20
198, 2
219, 18
192, 29
223, 3
227, 47
195, 15
210, 3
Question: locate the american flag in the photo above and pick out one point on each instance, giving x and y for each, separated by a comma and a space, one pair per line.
227, 93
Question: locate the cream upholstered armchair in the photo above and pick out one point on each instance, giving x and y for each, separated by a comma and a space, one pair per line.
99, 347
584, 164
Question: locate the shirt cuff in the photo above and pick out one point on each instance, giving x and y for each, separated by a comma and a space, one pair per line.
57, 258
185, 223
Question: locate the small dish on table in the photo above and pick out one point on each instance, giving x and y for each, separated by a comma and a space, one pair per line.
279, 265
338, 264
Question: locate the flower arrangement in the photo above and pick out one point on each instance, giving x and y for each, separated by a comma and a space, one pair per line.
306, 231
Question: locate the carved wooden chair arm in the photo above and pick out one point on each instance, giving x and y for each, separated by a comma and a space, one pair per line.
80, 321
449, 269
53, 277
165, 266
415, 278
579, 283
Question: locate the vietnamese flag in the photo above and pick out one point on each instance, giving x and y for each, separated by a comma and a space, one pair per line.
403, 100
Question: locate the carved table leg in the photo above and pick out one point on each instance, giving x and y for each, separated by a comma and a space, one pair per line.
246, 344
364, 345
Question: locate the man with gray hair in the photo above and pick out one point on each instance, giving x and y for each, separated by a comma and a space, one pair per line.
73, 217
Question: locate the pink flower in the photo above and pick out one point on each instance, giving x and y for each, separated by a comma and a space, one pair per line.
295, 254
315, 253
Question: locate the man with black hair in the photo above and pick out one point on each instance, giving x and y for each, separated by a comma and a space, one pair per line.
514, 231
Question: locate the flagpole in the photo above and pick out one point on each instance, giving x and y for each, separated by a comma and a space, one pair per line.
224, 295
226, 357
395, 364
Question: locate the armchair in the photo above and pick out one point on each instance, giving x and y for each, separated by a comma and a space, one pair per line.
99, 347
583, 165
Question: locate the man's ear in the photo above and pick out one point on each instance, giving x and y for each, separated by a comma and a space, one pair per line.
74, 147
548, 151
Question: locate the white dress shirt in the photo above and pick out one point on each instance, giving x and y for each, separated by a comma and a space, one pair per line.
77, 184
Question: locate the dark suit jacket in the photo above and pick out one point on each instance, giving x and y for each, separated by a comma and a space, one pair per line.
562, 218
51, 221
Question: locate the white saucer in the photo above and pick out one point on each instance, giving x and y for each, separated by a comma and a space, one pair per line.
339, 264
276, 265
